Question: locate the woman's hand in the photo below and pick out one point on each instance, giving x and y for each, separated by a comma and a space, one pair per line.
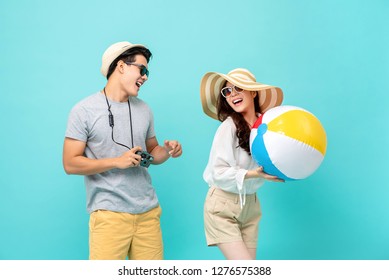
258, 173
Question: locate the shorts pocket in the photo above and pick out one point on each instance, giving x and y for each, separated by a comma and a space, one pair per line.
92, 220
219, 206
156, 212
226, 209
96, 219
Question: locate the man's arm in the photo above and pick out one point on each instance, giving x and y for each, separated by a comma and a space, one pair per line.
171, 148
75, 162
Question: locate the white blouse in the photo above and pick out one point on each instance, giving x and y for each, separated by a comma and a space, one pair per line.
228, 165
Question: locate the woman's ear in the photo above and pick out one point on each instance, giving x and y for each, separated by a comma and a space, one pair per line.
254, 93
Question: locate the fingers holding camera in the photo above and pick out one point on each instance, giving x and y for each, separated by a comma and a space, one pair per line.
129, 158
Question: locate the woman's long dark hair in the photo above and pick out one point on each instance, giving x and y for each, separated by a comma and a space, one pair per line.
243, 129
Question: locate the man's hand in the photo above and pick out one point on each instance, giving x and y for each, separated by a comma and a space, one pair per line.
129, 158
173, 148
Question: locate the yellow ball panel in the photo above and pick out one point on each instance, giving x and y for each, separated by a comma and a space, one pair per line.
302, 126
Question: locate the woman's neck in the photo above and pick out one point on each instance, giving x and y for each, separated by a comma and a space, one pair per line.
250, 117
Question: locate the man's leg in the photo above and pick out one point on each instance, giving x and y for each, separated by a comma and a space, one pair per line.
147, 242
110, 235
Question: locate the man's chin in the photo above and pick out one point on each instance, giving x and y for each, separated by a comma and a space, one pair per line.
133, 94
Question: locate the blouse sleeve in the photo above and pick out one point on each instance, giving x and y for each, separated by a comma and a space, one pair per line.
223, 169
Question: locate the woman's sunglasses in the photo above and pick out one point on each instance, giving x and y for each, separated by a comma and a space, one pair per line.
227, 91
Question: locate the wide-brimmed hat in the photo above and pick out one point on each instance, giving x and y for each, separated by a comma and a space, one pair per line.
212, 83
113, 52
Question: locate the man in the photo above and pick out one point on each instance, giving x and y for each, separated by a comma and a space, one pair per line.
110, 139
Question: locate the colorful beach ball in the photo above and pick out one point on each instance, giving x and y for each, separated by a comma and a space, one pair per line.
288, 142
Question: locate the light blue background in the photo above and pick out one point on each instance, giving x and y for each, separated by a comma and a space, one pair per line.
330, 57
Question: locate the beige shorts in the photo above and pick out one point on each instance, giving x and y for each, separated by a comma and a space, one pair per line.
115, 236
225, 221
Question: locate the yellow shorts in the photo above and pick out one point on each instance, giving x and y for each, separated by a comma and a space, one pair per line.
115, 236
225, 221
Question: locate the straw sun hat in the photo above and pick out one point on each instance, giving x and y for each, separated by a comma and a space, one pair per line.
212, 83
113, 52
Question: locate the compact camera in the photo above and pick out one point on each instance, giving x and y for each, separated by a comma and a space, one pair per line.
146, 158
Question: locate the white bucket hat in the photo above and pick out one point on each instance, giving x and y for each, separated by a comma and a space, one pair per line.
212, 83
113, 52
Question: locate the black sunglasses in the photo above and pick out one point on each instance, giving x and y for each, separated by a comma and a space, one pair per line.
142, 68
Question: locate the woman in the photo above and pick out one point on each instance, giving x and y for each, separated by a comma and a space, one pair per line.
232, 211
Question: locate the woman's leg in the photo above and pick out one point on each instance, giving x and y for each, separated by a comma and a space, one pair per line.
237, 251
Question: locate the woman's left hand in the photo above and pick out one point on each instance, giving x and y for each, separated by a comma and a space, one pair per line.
259, 173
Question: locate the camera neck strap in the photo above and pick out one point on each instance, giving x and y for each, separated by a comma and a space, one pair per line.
112, 123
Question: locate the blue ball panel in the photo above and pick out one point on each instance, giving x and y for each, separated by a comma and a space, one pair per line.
261, 156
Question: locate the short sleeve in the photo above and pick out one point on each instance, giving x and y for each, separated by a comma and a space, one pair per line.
77, 124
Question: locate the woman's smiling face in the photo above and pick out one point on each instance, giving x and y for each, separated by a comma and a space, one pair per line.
240, 102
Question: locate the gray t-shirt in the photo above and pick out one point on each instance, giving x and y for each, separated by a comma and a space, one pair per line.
120, 190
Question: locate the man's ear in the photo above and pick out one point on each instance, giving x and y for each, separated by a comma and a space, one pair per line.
120, 66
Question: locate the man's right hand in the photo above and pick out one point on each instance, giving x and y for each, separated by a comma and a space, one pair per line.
129, 158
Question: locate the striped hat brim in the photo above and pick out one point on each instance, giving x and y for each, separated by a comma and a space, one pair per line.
212, 83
